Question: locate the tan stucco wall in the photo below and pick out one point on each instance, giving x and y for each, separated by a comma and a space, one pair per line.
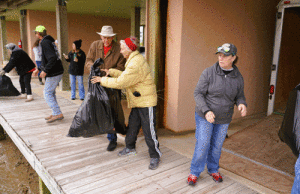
173, 57
79, 27
192, 39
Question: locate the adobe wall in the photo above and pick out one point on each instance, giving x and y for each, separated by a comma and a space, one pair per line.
201, 28
79, 27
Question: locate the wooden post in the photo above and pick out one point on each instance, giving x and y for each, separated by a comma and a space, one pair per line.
62, 38
2, 133
156, 49
23, 29
43, 187
3, 39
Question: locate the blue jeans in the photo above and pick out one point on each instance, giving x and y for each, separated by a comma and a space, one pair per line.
39, 63
112, 137
209, 142
296, 186
49, 93
80, 86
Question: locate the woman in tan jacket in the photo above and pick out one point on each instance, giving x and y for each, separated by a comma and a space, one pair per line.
141, 97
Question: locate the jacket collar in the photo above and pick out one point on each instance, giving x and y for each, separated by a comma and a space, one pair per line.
113, 47
133, 54
219, 71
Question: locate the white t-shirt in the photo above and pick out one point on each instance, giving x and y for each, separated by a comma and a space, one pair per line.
37, 53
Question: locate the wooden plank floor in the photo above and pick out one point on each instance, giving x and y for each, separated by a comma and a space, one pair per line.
82, 165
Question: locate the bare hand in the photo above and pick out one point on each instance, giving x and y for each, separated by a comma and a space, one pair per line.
75, 59
106, 71
35, 73
66, 56
243, 109
43, 74
210, 116
95, 79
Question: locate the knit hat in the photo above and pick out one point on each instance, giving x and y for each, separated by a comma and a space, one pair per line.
77, 43
129, 43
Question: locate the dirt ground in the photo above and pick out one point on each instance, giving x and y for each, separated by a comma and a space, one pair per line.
16, 174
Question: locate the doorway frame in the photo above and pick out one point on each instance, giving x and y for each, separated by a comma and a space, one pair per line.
276, 52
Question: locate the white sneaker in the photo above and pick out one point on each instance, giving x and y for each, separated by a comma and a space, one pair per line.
29, 98
23, 96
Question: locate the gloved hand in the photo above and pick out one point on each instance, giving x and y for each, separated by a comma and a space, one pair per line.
2, 72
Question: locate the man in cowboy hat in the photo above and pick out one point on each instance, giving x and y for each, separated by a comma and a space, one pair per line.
109, 51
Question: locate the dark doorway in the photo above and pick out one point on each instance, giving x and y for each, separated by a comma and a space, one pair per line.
289, 63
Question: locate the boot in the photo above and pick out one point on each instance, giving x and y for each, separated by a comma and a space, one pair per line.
29, 98
23, 96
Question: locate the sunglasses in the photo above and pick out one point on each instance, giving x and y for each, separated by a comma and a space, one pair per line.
225, 48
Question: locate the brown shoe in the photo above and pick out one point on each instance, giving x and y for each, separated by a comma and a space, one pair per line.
47, 118
55, 118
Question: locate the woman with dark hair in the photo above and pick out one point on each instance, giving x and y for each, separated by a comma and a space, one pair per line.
20, 60
219, 88
76, 57
38, 57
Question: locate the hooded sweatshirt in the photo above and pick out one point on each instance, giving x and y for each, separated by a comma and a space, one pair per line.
51, 63
20, 60
218, 92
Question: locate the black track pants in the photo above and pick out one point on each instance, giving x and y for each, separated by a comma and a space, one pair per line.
145, 118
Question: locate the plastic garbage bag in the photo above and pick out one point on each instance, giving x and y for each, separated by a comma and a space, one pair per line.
116, 110
96, 115
7, 88
289, 131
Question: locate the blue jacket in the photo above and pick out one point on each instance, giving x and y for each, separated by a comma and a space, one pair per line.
218, 93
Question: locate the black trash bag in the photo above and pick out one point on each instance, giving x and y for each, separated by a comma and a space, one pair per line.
114, 96
94, 115
289, 131
7, 88
101, 110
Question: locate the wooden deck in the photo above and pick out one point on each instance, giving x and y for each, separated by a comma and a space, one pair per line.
82, 165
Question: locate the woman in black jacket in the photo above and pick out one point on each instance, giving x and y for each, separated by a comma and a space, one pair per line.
76, 57
20, 60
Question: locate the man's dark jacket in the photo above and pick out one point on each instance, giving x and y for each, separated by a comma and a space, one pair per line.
290, 128
20, 60
51, 64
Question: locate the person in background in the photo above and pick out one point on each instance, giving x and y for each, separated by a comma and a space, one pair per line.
20, 60
38, 57
76, 57
289, 132
219, 88
51, 68
109, 51
141, 97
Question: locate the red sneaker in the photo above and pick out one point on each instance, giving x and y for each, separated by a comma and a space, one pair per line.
192, 179
216, 177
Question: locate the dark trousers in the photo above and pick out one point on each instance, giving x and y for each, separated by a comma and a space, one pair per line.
145, 118
25, 83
